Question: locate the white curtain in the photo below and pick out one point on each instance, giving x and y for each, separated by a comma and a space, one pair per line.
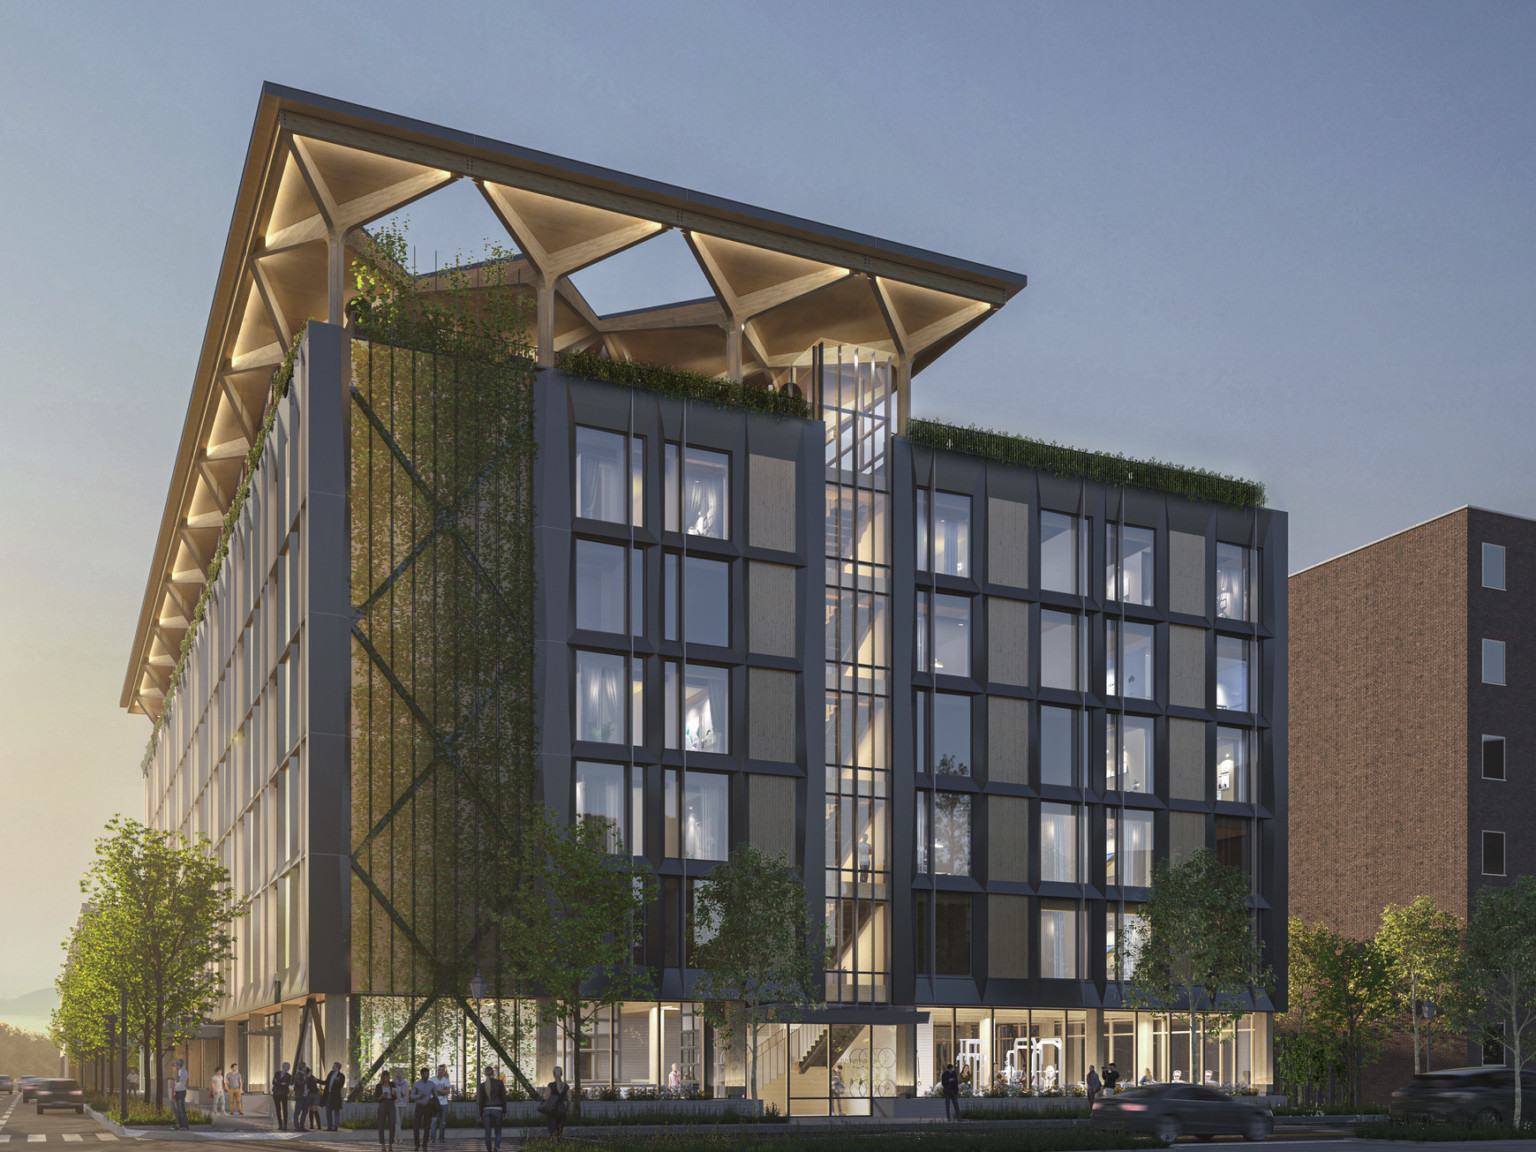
600, 475
706, 805
600, 697
1058, 843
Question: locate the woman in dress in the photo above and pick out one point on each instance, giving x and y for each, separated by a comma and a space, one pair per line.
385, 1095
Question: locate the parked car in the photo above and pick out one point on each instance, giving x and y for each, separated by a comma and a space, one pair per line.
58, 1094
1168, 1111
25, 1084
1481, 1095
7, 1084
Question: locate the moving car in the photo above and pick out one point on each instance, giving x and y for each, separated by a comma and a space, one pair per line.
25, 1084
58, 1094
7, 1084
1481, 1095
1168, 1111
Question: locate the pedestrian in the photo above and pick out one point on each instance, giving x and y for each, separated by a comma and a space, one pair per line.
133, 1081
1094, 1084
217, 1098
315, 1087
333, 1097
838, 1090
675, 1082
282, 1084
236, 1085
301, 1090
385, 1095
423, 1100
949, 1085
179, 1096
442, 1086
402, 1090
491, 1096
557, 1096
1111, 1076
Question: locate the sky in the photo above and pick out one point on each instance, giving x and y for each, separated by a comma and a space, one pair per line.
1294, 242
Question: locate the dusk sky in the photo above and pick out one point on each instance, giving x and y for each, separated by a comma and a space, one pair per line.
1295, 242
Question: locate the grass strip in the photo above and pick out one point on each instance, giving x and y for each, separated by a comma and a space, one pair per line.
878, 1139
1443, 1133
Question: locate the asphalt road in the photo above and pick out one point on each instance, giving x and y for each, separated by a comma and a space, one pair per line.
21, 1127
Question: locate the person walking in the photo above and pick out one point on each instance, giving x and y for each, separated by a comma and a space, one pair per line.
557, 1096
839, 1089
491, 1096
333, 1097
179, 1096
384, 1095
236, 1084
282, 1084
423, 1101
442, 1087
133, 1081
217, 1098
949, 1085
1094, 1084
1111, 1076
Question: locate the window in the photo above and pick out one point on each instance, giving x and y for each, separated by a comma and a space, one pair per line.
600, 696
923, 559
706, 808
704, 707
1493, 758
1493, 566
1058, 553
1233, 847
1233, 781
603, 490
1232, 673
1128, 848
951, 534
1133, 736
707, 602
1493, 853
1234, 588
1058, 843
951, 634
1058, 650
924, 614
951, 734
600, 793
1132, 644
637, 592
706, 493
1058, 755
944, 833
671, 483
671, 595
1129, 567
1493, 662
1122, 942
599, 586
1058, 941
943, 934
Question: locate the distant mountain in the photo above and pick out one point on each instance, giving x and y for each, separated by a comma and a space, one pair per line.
39, 1003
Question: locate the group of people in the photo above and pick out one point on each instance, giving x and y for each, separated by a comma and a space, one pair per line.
310, 1094
224, 1091
429, 1097
1095, 1083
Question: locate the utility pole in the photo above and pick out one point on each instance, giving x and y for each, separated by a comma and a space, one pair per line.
122, 1067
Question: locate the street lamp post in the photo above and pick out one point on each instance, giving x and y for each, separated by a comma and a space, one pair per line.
122, 1062
477, 990
111, 1044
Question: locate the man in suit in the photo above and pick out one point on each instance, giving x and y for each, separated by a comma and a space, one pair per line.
332, 1096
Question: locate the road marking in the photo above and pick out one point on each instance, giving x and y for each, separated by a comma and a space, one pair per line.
36, 1138
106, 1136
72, 1137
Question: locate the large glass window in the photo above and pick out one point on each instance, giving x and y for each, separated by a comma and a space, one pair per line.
944, 833
706, 709
1233, 845
951, 734
1122, 941
1493, 854
1233, 769
924, 560
952, 634
707, 601
1493, 662
602, 476
1129, 740
1059, 553
1128, 848
1130, 647
1493, 566
951, 534
671, 595
1058, 753
1058, 941
637, 591
706, 493
1058, 843
1129, 563
600, 693
706, 815
1058, 650
924, 601
600, 586
943, 935
600, 795
1233, 673
1234, 582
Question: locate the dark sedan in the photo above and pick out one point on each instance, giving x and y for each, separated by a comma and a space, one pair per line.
7, 1084
1481, 1095
58, 1094
1168, 1111
25, 1085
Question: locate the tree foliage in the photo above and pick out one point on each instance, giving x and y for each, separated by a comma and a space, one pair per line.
1350, 986
158, 926
1424, 944
1196, 947
574, 943
760, 944
1501, 968
25, 1053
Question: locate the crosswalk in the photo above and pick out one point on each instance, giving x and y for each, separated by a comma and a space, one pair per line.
67, 1137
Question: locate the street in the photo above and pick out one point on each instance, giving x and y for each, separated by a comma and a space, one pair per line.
20, 1124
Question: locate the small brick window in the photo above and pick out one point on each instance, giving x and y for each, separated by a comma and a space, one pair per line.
1493, 566
1493, 758
1493, 662
1493, 854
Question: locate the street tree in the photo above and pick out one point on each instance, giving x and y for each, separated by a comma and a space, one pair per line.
1196, 947
760, 944
1352, 984
574, 941
1309, 1050
1424, 945
158, 927
1500, 957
